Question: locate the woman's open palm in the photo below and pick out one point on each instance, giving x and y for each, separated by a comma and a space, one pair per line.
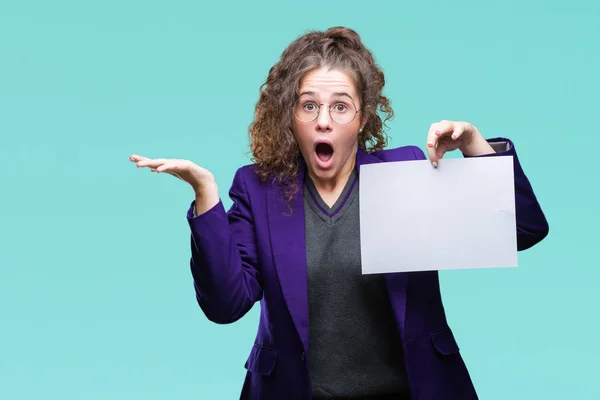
185, 170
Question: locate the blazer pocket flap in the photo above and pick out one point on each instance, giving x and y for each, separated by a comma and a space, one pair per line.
261, 360
444, 342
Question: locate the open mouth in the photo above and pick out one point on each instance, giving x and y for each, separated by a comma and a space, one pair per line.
324, 151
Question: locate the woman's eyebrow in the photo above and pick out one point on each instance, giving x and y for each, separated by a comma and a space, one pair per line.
336, 94
339, 94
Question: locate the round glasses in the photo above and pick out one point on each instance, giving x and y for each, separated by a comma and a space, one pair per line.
341, 112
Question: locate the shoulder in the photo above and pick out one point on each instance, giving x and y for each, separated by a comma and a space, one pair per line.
246, 170
402, 153
245, 175
248, 180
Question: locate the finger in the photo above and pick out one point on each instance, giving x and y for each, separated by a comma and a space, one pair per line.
171, 168
437, 132
432, 140
164, 167
444, 128
152, 163
458, 131
442, 148
136, 158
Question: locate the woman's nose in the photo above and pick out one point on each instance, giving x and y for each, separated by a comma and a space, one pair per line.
324, 119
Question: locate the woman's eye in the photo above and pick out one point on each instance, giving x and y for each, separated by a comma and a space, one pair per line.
340, 107
310, 107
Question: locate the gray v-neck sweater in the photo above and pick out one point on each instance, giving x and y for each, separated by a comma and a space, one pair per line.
354, 345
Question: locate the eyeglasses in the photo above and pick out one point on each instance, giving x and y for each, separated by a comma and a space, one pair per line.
341, 112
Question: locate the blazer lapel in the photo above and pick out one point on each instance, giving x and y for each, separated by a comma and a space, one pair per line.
286, 226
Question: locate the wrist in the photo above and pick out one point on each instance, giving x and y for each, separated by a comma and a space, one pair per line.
478, 147
201, 189
206, 197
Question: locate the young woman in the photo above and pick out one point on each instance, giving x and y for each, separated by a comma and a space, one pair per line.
291, 238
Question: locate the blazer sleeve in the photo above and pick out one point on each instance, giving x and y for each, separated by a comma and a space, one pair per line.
224, 259
532, 226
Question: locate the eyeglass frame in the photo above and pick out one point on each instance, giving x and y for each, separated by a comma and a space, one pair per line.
357, 110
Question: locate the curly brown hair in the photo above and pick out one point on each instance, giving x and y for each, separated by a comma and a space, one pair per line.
272, 143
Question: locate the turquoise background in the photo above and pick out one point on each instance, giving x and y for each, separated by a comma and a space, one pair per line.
96, 297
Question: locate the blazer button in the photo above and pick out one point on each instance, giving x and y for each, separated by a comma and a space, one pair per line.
303, 357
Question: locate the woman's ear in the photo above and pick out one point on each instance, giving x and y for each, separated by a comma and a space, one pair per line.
362, 125
363, 121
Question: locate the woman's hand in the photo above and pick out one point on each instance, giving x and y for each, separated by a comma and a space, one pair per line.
447, 136
200, 179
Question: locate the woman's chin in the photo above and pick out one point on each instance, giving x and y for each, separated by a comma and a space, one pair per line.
324, 173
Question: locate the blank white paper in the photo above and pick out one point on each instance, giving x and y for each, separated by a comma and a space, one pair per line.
461, 215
